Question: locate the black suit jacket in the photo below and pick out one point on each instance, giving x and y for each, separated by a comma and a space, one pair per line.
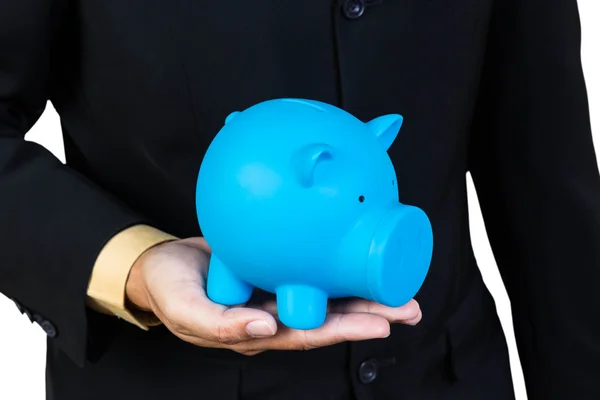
490, 87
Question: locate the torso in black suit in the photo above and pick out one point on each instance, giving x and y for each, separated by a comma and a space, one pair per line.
491, 87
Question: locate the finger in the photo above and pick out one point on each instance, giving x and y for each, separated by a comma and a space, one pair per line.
415, 320
408, 312
270, 306
337, 328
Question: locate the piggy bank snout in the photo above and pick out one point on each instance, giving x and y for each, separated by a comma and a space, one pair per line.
399, 255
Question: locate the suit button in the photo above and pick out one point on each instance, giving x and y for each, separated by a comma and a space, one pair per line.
48, 328
367, 372
353, 9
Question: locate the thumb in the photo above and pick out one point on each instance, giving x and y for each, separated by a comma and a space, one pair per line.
194, 314
234, 325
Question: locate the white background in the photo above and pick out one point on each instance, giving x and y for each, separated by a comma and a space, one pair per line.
22, 344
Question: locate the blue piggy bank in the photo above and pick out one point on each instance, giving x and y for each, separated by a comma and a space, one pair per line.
299, 198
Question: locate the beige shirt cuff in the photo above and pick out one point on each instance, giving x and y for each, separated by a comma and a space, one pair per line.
106, 289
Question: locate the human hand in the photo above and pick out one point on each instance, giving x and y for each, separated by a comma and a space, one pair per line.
169, 280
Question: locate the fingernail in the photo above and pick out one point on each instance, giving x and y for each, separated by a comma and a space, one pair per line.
259, 329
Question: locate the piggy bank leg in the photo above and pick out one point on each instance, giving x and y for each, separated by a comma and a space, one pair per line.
223, 287
301, 306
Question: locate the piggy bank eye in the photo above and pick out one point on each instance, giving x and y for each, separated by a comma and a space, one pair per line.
361, 198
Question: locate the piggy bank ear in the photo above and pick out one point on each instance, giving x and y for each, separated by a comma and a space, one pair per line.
231, 116
386, 128
306, 160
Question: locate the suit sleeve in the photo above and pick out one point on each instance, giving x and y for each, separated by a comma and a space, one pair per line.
533, 163
53, 221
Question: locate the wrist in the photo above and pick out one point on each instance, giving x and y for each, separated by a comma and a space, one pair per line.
115, 286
